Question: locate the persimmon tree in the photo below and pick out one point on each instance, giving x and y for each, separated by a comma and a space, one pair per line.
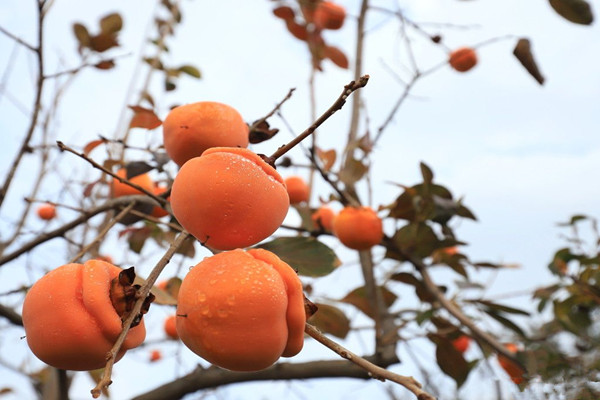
106, 196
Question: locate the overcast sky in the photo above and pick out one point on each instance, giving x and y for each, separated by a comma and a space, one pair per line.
524, 156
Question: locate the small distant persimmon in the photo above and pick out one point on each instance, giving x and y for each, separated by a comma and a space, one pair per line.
323, 218
358, 228
461, 343
70, 316
329, 15
513, 370
229, 198
297, 189
155, 355
242, 310
119, 189
190, 129
463, 59
170, 328
46, 211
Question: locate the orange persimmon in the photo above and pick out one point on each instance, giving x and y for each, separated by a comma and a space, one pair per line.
242, 310
229, 198
358, 228
190, 129
461, 343
323, 218
46, 211
329, 15
463, 59
297, 189
170, 328
119, 188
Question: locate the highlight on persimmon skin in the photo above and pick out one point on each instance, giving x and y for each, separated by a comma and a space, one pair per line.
329, 15
190, 129
46, 212
463, 59
297, 189
70, 321
323, 218
229, 198
358, 228
242, 310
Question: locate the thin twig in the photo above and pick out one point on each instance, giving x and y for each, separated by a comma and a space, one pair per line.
374, 370
336, 106
75, 70
18, 40
143, 292
273, 111
162, 201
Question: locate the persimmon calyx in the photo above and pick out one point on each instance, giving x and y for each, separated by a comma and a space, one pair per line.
124, 293
310, 308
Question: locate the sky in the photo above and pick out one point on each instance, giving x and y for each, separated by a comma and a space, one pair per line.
523, 156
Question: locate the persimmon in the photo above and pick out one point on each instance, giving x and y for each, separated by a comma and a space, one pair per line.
358, 228
119, 188
513, 370
170, 328
323, 218
229, 198
157, 211
70, 316
190, 129
297, 189
46, 212
461, 343
242, 310
329, 15
155, 355
463, 59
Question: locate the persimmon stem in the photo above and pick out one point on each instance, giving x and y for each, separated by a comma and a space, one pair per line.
375, 371
336, 106
63, 147
143, 292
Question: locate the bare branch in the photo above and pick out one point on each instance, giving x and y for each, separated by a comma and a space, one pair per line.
273, 111
18, 40
11, 315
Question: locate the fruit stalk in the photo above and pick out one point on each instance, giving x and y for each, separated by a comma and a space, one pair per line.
143, 292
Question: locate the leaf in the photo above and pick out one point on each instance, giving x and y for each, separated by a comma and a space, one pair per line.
502, 308
523, 53
427, 173
576, 11
112, 23
297, 30
92, 145
170, 85
82, 35
136, 168
358, 298
144, 118
450, 360
103, 42
353, 171
332, 320
191, 71
417, 239
327, 157
168, 296
284, 12
336, 56
105, 64
504, 321
137, 238
307, 255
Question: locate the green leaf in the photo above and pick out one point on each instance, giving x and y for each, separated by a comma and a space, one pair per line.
112, 23
307, 255
332, 320
502, 308
576, 11
191, 71
426, 172
417, 239
504, 321
358, 298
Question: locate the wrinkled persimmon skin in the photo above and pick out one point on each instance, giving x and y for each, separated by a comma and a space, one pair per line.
297, 189
229, 198
70, 322
463, 59
190, 129
119, 189
358, 228
242, 310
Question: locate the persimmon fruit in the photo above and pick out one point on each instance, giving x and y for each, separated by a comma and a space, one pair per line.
242, 310
463, 59
323, 218
170, 328
513, 370
119, 189
70, 318
229, 198
297, 189
155, 355
329, 15
461, 343
190, 129
158, 211
358, 228
46, 212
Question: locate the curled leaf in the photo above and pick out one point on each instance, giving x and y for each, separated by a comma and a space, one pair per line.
523, 53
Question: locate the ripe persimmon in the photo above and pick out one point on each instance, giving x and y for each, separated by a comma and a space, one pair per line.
513, 370
170, 328
119, 188
329, 15
157, 211
323, 218
461, 343
297, 189
155, 355
358, 228
190, 129
70, 320
229, 198
463, 59
242, 310
46, 211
